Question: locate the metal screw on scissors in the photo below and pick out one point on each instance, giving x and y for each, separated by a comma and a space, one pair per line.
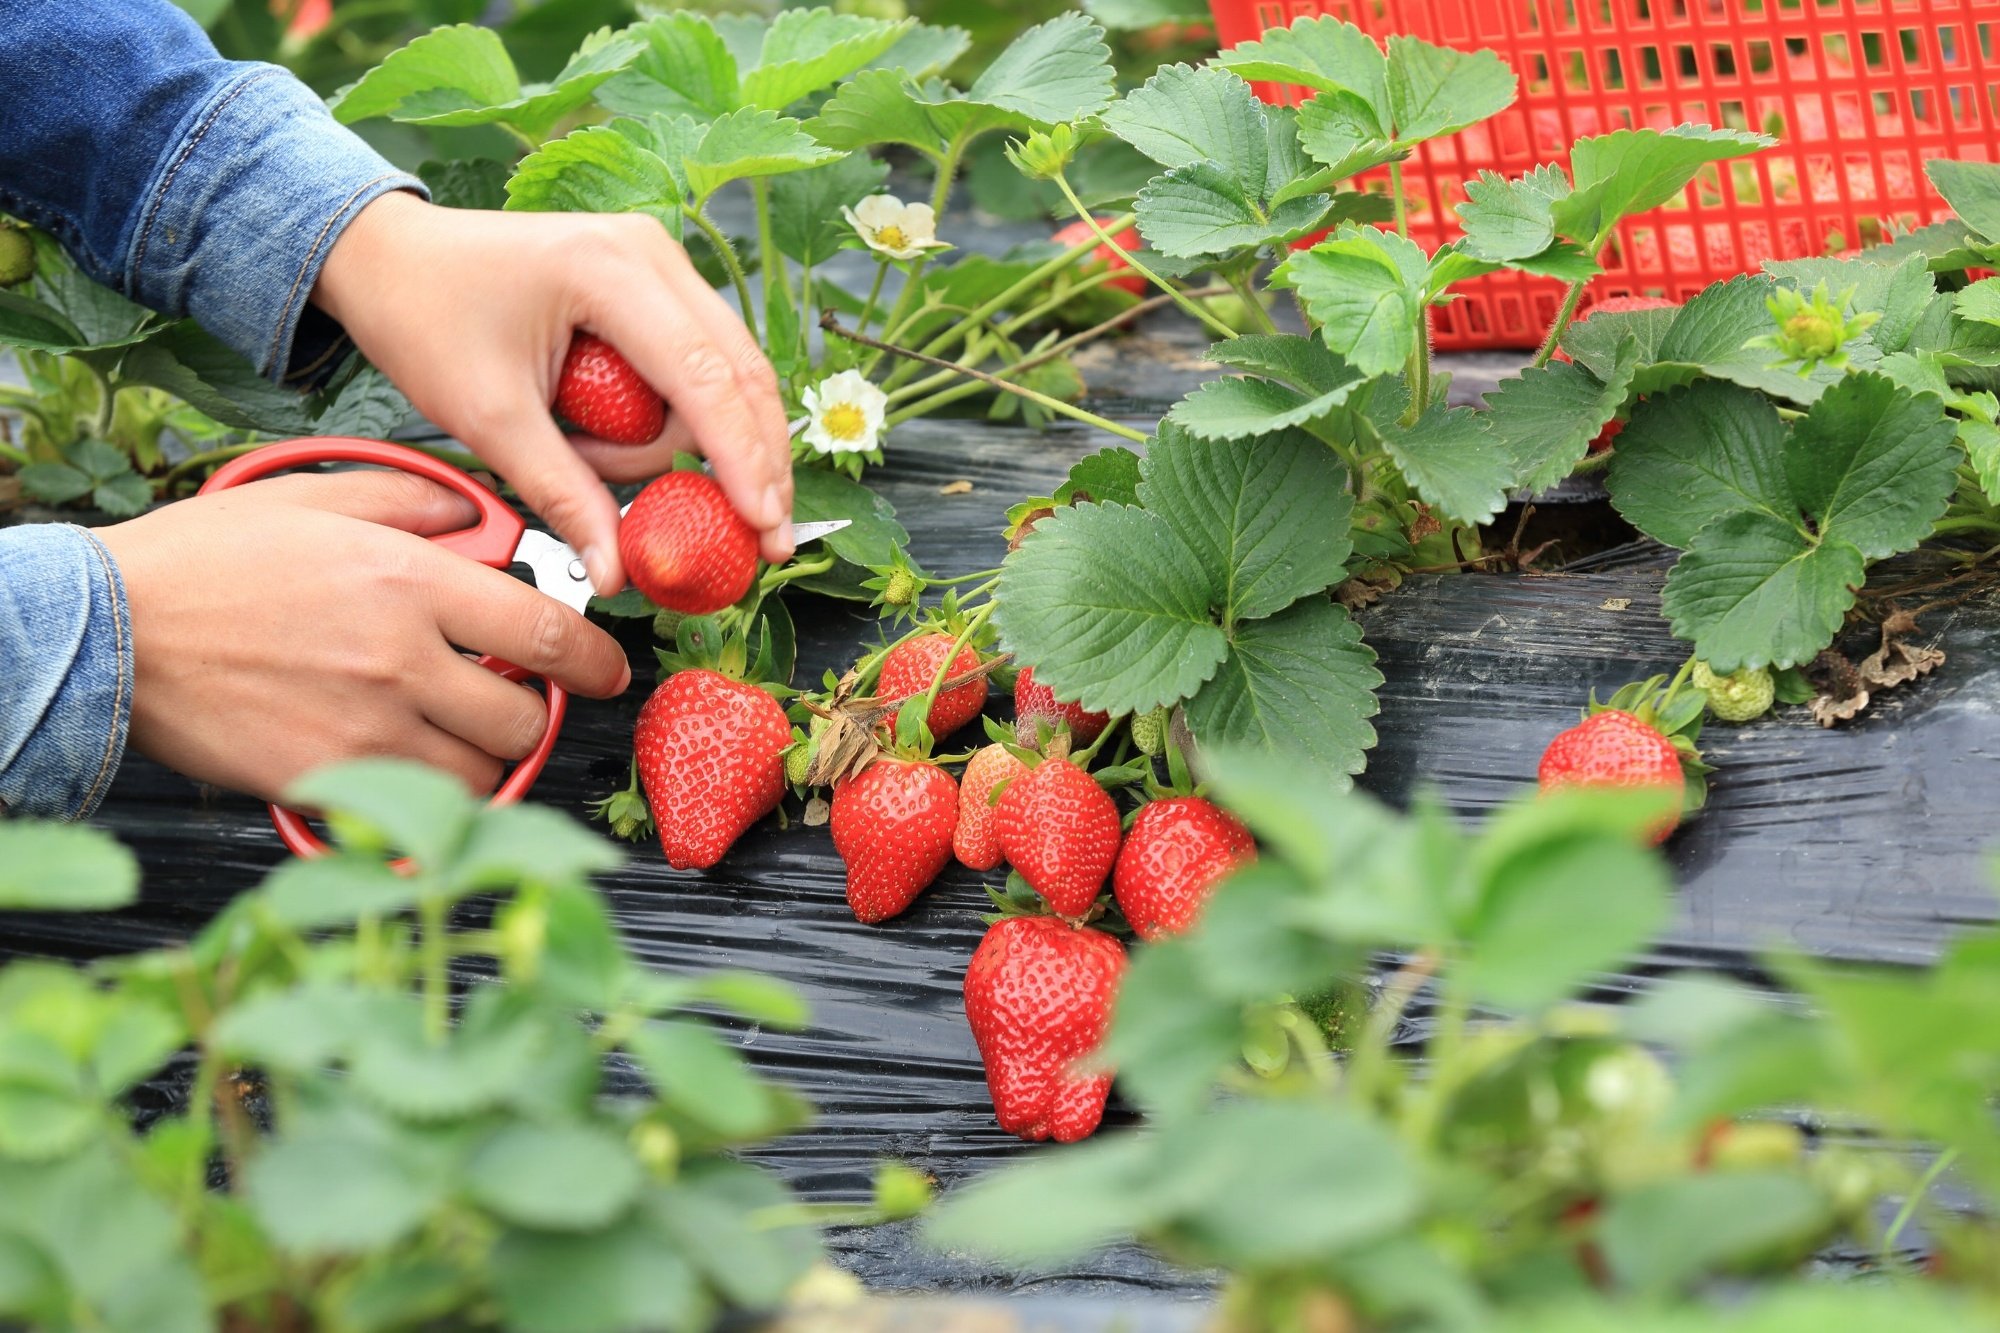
499, 538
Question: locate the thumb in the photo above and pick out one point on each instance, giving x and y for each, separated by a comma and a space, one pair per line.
519, 438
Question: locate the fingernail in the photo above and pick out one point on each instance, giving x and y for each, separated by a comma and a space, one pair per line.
773, 508
598, 566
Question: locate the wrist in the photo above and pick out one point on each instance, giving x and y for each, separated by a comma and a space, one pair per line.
363, 255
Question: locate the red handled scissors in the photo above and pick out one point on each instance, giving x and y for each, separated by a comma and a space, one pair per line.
498, 539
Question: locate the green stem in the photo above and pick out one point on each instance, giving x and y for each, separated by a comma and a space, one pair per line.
1563, 317
1055, 405
1371, 1052
1199, 312
1965, 523
981, 313
774, 263
18, 457
803, 569
1908, 1211
946, 377
1240, 284
1401, 199
944, 667
874, 295
727, 252
436, 959
527, 141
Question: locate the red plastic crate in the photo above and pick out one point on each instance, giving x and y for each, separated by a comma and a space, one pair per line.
1860, 93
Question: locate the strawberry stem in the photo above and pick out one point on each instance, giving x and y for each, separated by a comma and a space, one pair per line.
1180, 298
985, 310
831, 323
727, 254
1563, 317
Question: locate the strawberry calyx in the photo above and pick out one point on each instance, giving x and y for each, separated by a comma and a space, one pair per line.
1018, 898
722, 644
1675, 710
626, 810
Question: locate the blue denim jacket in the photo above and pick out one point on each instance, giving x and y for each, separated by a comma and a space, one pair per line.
196, 186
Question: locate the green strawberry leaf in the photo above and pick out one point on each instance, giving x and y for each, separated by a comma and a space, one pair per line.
1184, 116
1240, 408
603, 169
887, 107
805, 50
1979, 302
870, 540
1109, 476
1199, 209
1318, 52
195, 366
554, 1177
749, 143
1507, 219
54, 483
126, 495
1630, 171
32, 326
1779, 525
462, 75
1546, 417
1756, 591
1873, 463
1438, 90
64, 868
1112, 608
1054, 72
1454, 463
806, 221
925, 50
1695, 453
1708, 337
684, 70
1303, 363
478, 182
1298, 683
1269, 516
1973, 191
1340, 132
1594, 341
1365, 288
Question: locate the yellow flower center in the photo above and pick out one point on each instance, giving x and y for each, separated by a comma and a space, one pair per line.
891, 237
844, 421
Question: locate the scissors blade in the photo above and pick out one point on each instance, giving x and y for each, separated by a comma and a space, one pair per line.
558, 571
812, 532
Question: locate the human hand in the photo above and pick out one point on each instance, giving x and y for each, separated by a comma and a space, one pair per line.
290, 623
471, 313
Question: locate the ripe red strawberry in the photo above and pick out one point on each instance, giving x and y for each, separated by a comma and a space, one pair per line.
1111, 256
685, 548
1060, 830
1614, 749
909, 668
1175, 852
892, 824
710, 753
601, 393
977, 841
1038, 995
1035, 706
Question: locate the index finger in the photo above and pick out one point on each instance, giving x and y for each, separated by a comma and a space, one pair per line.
487, 611
720, 384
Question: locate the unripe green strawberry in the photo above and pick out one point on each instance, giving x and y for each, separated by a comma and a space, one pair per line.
797, 760
17, 256
1740, 697
1149, 731
902, 589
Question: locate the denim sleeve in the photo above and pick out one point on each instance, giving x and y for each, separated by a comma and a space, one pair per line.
65, 670
193, 184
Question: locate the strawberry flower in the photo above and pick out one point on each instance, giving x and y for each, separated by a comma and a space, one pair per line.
894, 229
844, 414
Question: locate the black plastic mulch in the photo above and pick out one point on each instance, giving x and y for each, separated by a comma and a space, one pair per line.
1865, 842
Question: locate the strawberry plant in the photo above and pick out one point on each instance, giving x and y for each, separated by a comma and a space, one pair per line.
374, 1138
1536, 1164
